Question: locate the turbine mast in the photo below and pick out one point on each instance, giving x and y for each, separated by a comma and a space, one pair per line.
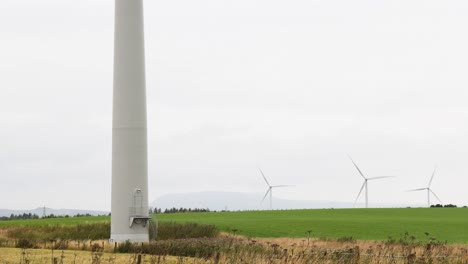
428, 197
129, 218
271, 198
367, 197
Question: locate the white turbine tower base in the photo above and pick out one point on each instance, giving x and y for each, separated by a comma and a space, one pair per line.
364, 185
129, 209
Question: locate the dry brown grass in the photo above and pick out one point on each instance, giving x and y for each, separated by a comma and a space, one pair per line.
275, 250
237, 249
41, 256
4, 232
300, 250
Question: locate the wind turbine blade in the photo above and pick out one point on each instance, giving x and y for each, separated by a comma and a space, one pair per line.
414, 190
430, 182
355, 165
359, 194
263, 175
282, 186
380, 177
435, 196
266, 194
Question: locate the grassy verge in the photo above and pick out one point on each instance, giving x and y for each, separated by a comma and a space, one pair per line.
68, 221
39, 256
66, 236
232, 249
87, 231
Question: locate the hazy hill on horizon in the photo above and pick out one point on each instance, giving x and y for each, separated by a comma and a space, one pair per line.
234, 201
213, 200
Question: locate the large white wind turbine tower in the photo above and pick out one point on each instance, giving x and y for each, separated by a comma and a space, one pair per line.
429, 190
129, 210
364, 185
270, 189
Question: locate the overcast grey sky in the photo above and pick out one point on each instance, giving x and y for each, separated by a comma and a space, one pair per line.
290, 86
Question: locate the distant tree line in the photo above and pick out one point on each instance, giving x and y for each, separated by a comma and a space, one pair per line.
20, 216
77, 215
26, 216
446, 206
154, 210
174, 210
66, 216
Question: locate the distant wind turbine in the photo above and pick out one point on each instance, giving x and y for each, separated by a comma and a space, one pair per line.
364, 185
429, 191
270, 189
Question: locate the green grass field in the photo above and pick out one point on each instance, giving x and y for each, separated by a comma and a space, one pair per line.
445, 224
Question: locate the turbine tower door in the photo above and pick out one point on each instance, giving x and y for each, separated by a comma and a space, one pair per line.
138, 211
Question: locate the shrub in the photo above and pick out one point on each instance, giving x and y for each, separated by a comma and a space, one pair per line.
101, 231
126, 247
193, 247
24, 243
173, 230
94, 231
346, 239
